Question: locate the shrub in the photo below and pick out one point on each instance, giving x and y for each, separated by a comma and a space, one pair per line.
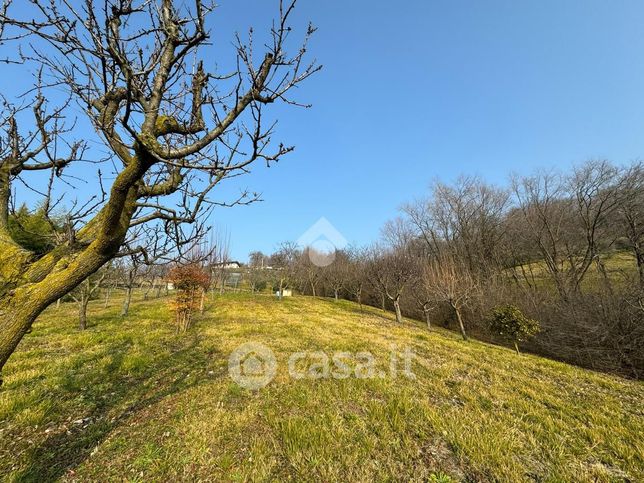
510, 323
190, 283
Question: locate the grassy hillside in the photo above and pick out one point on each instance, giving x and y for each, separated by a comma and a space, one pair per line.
129, 399
620, 266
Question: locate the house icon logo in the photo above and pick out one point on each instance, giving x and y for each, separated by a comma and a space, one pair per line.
322, 241
252, 365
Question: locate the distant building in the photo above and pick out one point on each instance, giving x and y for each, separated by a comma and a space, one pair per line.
287, 292
227, 265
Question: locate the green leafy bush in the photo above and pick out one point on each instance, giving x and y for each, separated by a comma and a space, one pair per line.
34, 231
510, 323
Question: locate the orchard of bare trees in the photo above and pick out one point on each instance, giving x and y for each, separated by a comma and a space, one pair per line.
171, 126
565, 249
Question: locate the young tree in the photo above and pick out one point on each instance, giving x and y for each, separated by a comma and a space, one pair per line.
219, 258
190, 283
129, 281
509, 322
84, 293
131, 65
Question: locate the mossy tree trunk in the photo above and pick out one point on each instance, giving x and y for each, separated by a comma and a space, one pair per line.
157, 152
29, 285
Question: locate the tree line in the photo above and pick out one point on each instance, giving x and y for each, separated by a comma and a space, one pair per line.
566, 248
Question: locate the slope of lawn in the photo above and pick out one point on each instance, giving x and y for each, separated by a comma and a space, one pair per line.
128, 399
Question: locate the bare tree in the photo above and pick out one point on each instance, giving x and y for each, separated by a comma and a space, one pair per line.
465, 219
631, 214
256, 272
284, 265
257, 259
449, 280
392, 264
423, 297
336, 274
129, 280
567, 219
308, 272
357, 273
84, 293
257, 279
133, 66
153, 277
219, 258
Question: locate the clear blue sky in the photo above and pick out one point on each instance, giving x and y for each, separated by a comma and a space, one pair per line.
417, 90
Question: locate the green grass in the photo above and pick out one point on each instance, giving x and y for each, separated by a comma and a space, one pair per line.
620, 266
130, 400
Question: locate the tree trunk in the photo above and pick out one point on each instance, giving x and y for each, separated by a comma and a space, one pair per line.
20, 307
18, 315
639, 256
399, 317
428, 318
202, 302
107, 297
335, 294
58, 303
516, 347
126, 303
383, 303
82, 311
313, 289
460, 321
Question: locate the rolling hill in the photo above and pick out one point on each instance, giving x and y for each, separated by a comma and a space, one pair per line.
128, 399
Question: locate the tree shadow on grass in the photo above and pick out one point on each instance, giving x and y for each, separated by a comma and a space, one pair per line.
113, 396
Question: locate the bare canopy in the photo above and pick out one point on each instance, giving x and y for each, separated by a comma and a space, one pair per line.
174, 126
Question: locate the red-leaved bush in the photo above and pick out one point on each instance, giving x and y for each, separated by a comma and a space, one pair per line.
190, 283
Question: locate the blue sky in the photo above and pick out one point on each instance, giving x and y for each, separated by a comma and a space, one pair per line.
418, 90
